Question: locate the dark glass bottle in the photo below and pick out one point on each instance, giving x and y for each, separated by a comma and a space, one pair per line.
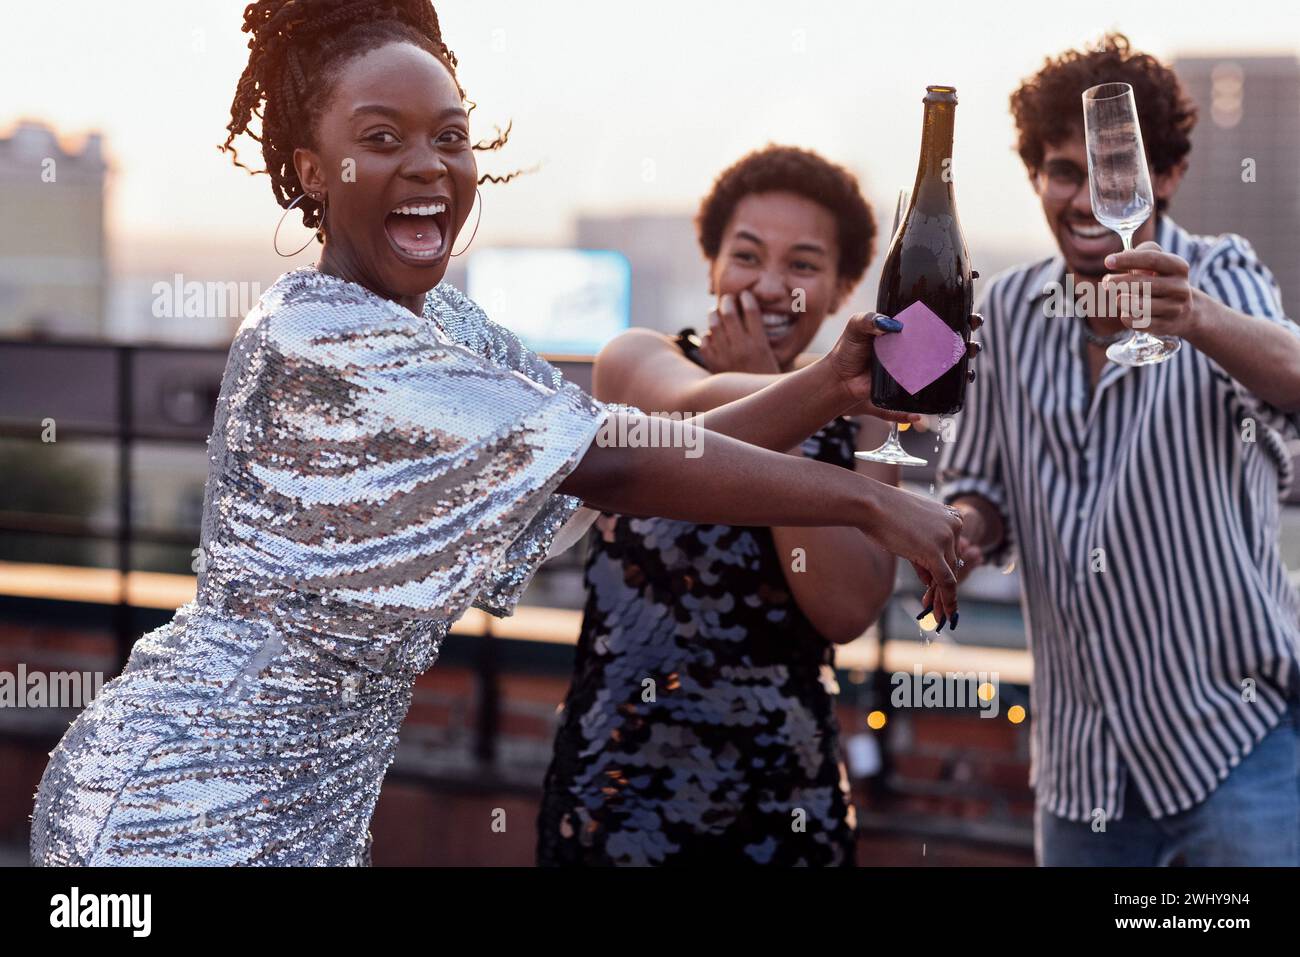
927, 262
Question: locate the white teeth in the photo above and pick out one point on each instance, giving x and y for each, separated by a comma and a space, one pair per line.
422, 210
1089, 232
776, 324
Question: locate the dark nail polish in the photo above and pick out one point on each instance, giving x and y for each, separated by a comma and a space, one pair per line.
939, 627
953, 626
888, 325
926, 611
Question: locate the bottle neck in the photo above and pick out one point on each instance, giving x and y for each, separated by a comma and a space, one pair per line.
933, 189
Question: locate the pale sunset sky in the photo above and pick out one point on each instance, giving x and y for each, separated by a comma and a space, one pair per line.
601, 92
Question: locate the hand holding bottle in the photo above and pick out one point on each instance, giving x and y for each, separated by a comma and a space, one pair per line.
851, 358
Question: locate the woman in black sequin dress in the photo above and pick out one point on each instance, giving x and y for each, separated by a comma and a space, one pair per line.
700, 726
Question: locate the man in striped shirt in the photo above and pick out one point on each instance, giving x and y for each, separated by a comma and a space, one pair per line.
1143, 505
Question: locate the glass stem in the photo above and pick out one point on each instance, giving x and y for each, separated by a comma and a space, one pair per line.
1137, 334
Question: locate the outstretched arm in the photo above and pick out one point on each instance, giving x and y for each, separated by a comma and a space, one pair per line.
842, 578
845, 579
733, 483
789, 408
1260, 351
647, 369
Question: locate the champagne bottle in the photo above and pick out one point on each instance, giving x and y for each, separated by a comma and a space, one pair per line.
927, 263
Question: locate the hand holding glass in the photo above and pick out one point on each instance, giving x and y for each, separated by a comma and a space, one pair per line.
1119, 184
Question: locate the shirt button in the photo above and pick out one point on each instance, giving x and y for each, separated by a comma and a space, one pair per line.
1083, 514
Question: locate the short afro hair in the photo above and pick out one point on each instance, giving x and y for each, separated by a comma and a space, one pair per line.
1048, 107
789, 169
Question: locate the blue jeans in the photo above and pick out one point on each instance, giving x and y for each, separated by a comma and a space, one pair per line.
1252, 819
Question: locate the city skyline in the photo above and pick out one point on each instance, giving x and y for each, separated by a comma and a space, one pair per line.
684, 106
629, 152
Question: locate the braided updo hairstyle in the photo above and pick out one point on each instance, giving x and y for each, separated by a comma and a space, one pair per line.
297, 50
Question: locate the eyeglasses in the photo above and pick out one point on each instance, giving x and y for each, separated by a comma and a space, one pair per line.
1060, 179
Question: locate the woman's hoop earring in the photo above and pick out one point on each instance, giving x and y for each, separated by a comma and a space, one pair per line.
478, 194
275, 237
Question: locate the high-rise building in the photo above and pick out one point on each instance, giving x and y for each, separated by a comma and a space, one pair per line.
1242, 173
53, 272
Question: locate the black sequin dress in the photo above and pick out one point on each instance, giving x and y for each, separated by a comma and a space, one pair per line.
700, 724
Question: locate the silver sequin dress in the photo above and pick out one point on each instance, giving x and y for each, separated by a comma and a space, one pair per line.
372, 475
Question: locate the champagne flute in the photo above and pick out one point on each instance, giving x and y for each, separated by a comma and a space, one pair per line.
892, 452
1120, 186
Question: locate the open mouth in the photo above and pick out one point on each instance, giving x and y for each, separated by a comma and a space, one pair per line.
777, 325
1088, 231
418, 228
1091, 238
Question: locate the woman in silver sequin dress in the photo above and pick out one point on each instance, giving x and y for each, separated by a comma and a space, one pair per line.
383, 457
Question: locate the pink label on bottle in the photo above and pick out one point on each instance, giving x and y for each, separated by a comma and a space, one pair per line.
925, 349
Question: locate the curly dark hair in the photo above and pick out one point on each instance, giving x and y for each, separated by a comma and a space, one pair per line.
297, 50
792, 170
1047, 106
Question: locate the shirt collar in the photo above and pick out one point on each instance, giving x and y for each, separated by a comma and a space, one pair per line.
1052, 270
1174, 239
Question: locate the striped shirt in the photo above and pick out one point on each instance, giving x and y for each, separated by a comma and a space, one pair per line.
1164, 630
